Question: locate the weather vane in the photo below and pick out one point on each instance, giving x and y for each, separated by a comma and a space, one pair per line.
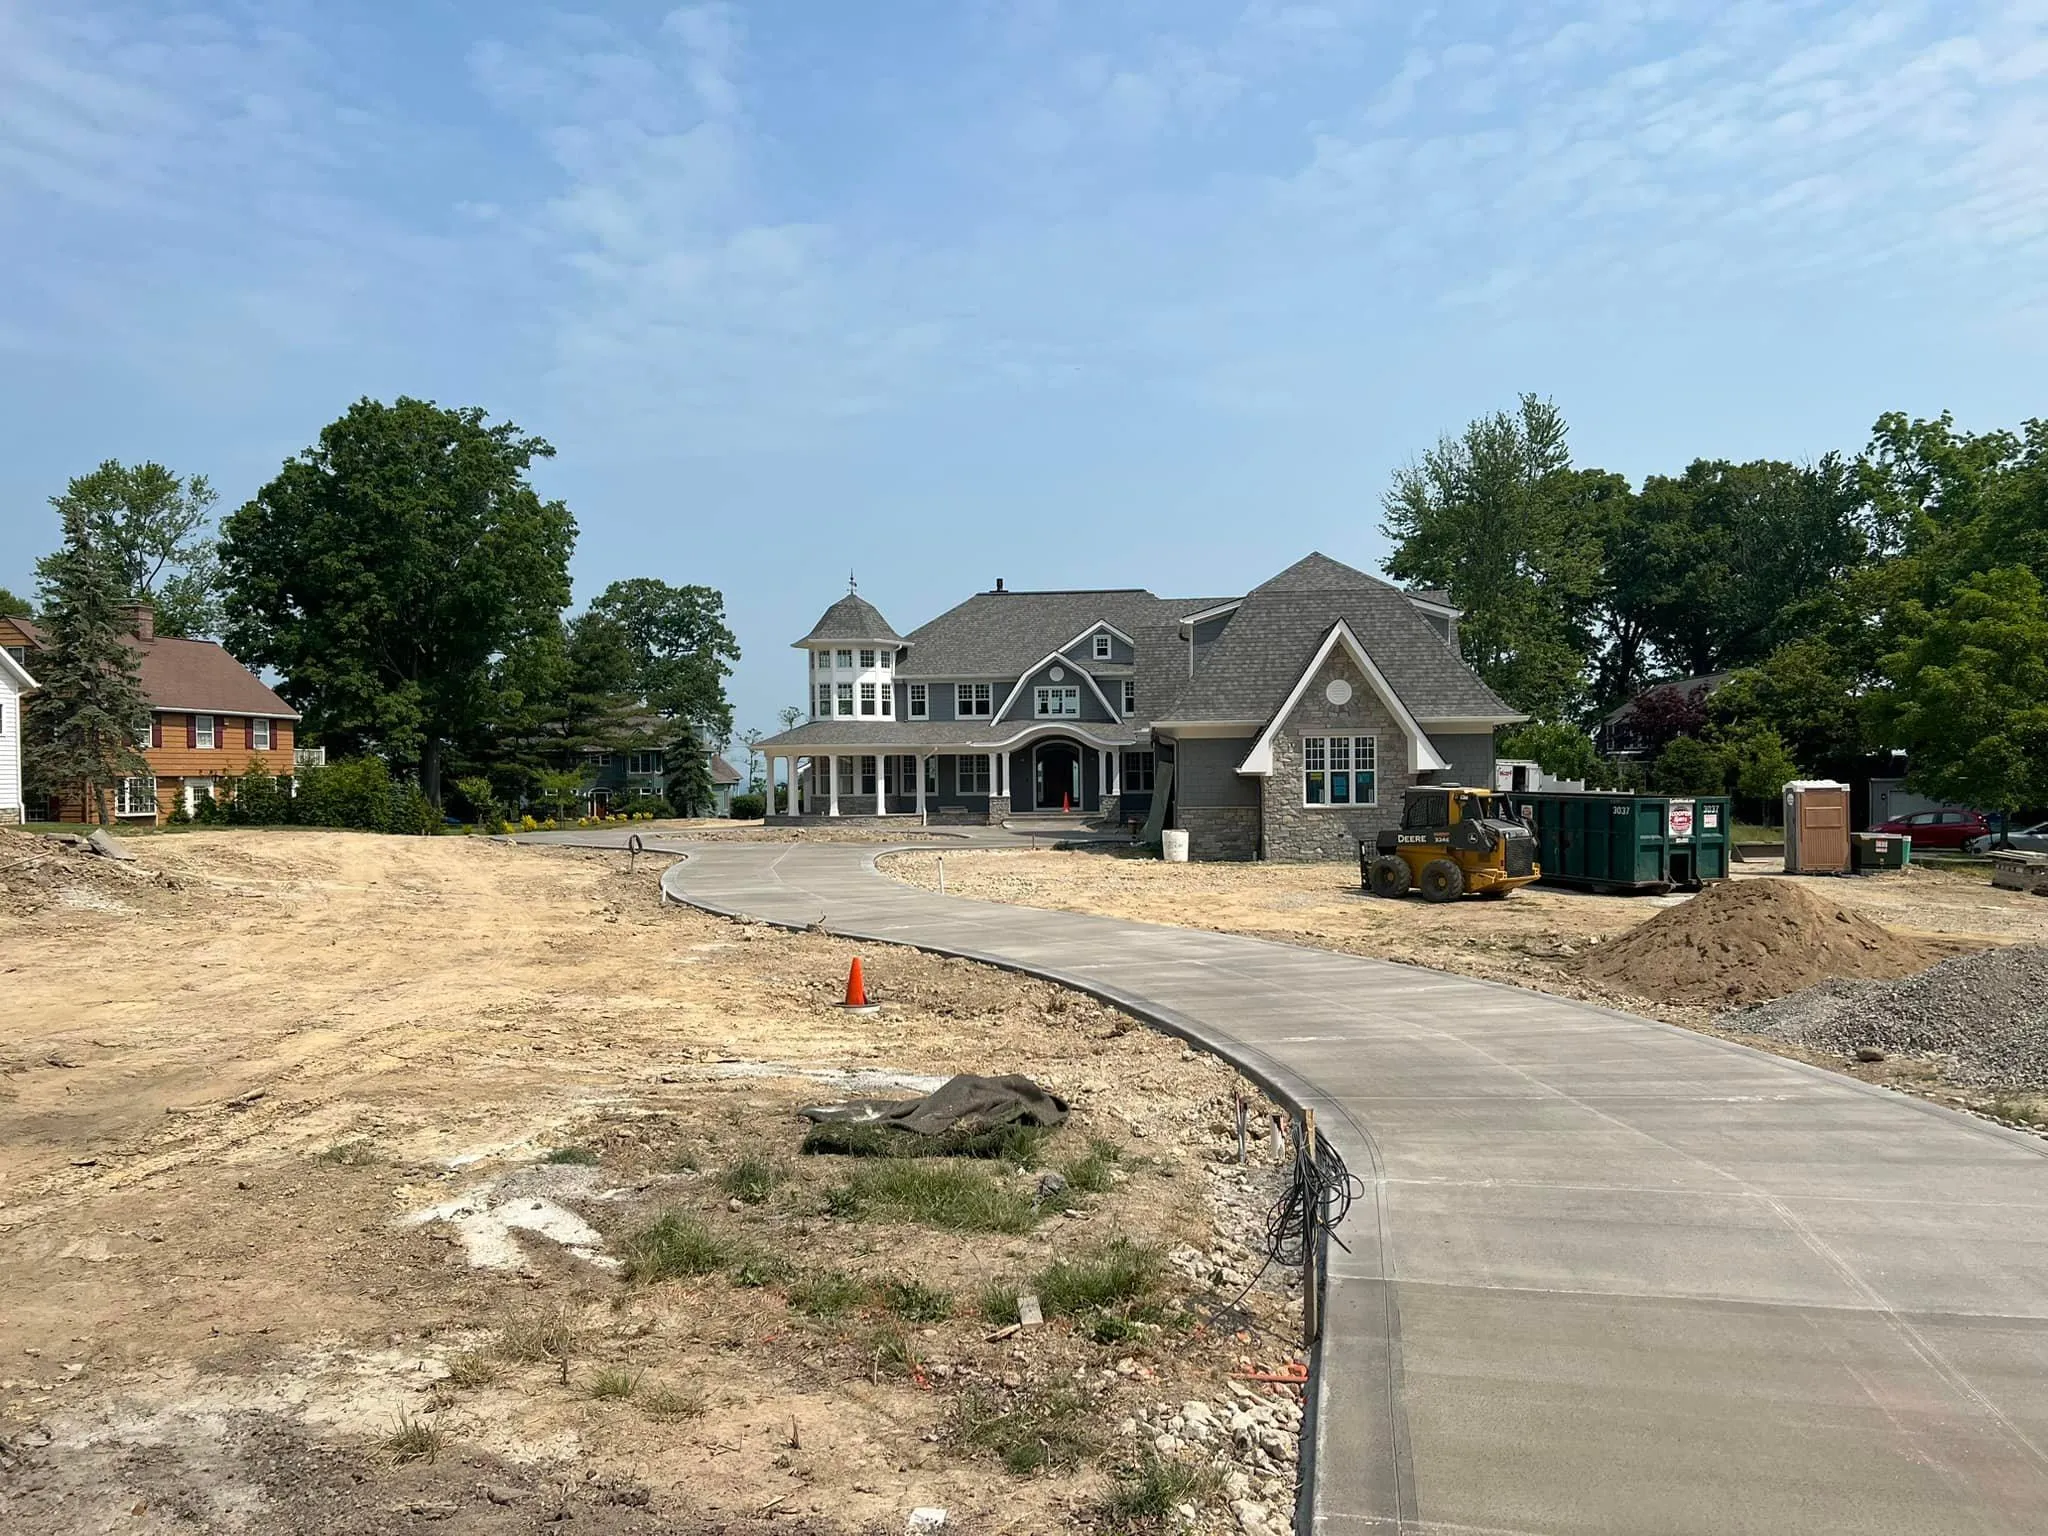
852, 584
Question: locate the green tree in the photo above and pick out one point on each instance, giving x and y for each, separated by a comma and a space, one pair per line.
1754, 762
155, 527
1689, 766
12, 607
1560, 749
385, 569
562, 789
1808, 695
682, 649
1496, 518
599, 697
1967, 692
90, 717
690, 791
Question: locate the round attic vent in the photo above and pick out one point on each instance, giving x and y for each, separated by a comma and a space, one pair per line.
1058, 674
1338, 691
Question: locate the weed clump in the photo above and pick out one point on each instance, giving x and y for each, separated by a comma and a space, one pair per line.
1021, 1145
751, 1180
1142, 1497
1089, 1174
1118, 1273
614, 1383
473, 1368
414, 1439
948, 1196
359, 1153
762, 1269
538, 1337
674, 1246
828, 1293
1034, 1430
916, 1303
669, 1404
578, 1157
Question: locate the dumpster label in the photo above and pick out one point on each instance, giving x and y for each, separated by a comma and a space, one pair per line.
1710, 817
1681, 818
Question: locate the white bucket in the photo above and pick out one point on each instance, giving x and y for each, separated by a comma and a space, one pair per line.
1173, 846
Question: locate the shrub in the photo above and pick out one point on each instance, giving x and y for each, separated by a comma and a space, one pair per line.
674, 1245
206, 810
352, 792
481, 801
180, 817
747, 807
259, 798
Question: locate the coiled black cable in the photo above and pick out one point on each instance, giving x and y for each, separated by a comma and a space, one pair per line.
1321, 1185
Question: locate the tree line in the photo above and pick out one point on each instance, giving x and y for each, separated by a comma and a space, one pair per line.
1888, 600
410, 590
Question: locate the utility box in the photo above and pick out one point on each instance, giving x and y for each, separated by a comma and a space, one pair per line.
1617, 842
1817, 827
1870, 852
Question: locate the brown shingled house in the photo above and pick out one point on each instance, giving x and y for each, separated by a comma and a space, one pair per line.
210, 718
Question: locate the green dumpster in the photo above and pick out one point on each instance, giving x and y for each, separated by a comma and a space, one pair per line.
1621, 842
1870, 851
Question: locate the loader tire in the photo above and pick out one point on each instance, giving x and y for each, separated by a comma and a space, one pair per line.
1390, 875
1442, 881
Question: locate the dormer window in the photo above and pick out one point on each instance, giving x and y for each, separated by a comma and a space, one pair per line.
1102, 645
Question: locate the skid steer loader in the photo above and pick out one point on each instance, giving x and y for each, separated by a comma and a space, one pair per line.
1452, 842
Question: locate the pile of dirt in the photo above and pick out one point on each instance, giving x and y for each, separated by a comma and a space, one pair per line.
1984, 1015
38, 871
1743, 941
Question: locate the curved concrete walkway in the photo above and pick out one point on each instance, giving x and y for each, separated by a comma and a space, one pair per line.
1609, 1276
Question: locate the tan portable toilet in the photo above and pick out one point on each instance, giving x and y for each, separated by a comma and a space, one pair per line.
1816, 827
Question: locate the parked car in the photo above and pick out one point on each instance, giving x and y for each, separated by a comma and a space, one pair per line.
1939, 829
2032, 839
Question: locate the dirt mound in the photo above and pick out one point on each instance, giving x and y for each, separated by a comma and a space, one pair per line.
1985, 1015
1749, 940
38, 871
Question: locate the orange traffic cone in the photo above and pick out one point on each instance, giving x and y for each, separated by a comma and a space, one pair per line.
1066, 803
857, 991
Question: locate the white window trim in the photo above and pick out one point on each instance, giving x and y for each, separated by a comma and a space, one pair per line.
919, 702
1326, 737
208, 740
123, 800
867, 699
266, 729
1104, 645
845, 701
1101, 624
1044, 693
1130, 696
963, 700
979, 771
1055, 659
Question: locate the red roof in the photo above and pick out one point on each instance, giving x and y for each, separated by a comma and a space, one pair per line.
200, 675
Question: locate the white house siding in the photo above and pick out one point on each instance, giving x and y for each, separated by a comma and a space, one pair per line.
10, 747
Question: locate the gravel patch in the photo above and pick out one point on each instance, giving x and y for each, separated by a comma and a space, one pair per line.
1983, 1016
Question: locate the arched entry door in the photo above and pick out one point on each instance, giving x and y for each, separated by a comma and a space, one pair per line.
1055, 775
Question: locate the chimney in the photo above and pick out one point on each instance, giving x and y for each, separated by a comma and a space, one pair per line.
142, 619
999, 583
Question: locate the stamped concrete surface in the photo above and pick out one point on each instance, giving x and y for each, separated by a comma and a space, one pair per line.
1608, 1276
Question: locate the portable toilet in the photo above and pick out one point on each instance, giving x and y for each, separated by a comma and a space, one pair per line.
1816, 827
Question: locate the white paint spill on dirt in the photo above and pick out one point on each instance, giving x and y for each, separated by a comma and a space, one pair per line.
489, 1217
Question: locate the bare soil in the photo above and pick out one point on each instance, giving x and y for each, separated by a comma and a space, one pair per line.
1551, 939
239, 1079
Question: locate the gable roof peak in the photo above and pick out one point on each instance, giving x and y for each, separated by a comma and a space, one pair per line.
1317, 572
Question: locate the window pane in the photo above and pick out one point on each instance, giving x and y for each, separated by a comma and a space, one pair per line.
1365, 758
1313, 752
1366, 795
1314, 789
1340, 789
1340, 752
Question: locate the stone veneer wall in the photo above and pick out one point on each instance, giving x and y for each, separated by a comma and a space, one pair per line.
1297, 833
1112, 809
10, 815
998, 809
1219, 831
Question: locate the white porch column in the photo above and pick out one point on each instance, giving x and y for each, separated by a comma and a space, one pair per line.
1116, 768
771, 783
831, 785
881, 783
795, 787
918, 763
994, 787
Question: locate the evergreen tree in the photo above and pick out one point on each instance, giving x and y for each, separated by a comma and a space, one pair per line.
85, 726
690, 791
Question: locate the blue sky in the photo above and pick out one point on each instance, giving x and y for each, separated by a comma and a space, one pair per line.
1072, 293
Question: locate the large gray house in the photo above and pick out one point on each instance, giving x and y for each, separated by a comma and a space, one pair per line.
1283, 724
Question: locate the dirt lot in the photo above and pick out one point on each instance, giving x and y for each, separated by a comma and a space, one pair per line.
319, 1154
1542, 937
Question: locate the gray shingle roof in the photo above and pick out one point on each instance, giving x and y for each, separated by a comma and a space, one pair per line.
999, 634
1247, 673
852, 618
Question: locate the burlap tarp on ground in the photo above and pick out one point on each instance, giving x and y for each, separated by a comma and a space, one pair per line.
966, 1103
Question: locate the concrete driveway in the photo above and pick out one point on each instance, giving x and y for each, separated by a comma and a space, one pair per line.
1609, 1276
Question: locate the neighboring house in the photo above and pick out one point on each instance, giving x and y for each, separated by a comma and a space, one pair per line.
15, 685
1282, 724
1627, 730
210, 718
619, 778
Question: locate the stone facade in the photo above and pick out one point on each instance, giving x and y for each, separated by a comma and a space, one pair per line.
998, 809
1297, 833
10, 815
1228, 832
1112, 809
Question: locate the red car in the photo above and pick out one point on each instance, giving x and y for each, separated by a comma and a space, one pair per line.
1938, 829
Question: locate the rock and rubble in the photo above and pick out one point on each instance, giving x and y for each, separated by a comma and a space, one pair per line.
1984, 1017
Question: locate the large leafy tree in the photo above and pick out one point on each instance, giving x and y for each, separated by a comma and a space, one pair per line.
12, 607
1809, 694
1967, 692
386, 569
1496, 518
154, 527
683, 650
87, 724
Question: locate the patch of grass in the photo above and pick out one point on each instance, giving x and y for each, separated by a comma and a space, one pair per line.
1089, 1174
1142, 1497
687, 1161
759, 1269
580, 1157
538, 1337
614, 1384
916, 1303
894, 1351
827, 1293
1116, 1273
473, 1368
752, 1179
1114, 1330
2024, 1109
949, 1196
670, 1404
998, 1302
1023, 1145
359, 1153
672, 1246
1046, 1427
414, 1439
